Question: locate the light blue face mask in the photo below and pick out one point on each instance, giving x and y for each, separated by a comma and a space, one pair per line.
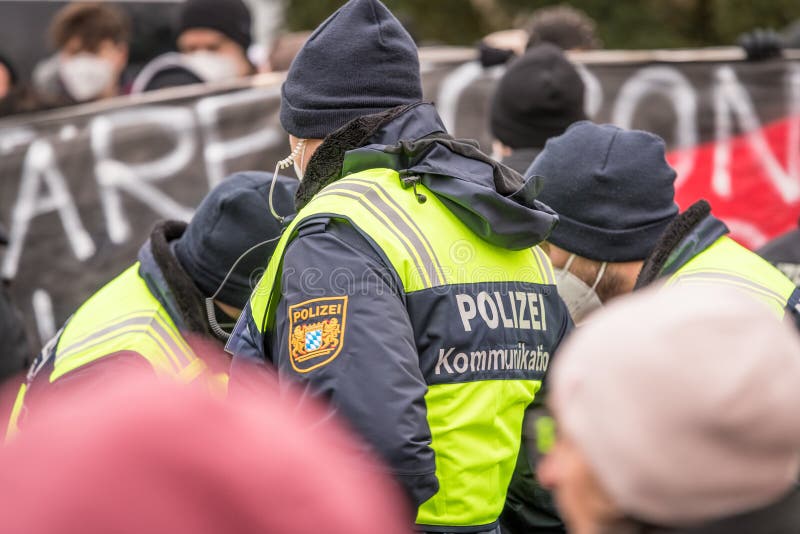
580, 298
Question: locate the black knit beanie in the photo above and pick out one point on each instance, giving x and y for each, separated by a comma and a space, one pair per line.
232, 218
229, 17
358, 62
613, 191
539, 96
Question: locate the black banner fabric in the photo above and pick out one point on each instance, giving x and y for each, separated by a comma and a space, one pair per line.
81, 189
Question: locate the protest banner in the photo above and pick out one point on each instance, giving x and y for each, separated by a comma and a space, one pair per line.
80, 188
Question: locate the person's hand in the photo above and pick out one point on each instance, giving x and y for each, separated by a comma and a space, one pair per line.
761, 44
490, 56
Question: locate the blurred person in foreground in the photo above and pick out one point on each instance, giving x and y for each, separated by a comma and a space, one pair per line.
410, 290
619, 227
213, 37
92, 42
784, 253
676, 413
135, 455
189, 279
537, 98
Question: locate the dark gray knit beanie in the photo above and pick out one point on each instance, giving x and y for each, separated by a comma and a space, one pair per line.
613, 191
358, 62
232, 218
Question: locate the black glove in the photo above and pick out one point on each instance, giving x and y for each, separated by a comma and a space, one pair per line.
761, 44
491, 56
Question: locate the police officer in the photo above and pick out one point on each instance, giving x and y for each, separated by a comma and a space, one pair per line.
177, 287
619, 230
409, 290
619, 227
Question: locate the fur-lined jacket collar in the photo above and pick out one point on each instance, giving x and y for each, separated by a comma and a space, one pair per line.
689, 234
168, 281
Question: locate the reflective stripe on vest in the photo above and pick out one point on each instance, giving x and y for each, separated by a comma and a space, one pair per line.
728, 263
486, 294
125, 316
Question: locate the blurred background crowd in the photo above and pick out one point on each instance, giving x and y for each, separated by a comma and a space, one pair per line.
54, 54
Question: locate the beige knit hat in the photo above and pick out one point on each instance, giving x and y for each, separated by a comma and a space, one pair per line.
685, 402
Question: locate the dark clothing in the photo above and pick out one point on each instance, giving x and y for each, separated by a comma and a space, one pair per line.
16, 354
784, 253
780, 517
529, 507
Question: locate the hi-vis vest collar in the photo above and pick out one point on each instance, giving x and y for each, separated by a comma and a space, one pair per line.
695, 250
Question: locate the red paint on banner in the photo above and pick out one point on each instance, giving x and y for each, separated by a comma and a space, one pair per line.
755, 209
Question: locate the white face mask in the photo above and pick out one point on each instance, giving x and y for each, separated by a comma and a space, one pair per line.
212, 66
85, 76
580, 299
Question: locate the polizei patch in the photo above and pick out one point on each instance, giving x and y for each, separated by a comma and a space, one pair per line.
316, 331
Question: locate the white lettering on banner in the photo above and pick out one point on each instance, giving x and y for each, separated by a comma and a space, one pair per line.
730, 97
43, 312
40, 168
519, 358
450, 91
527, 310
669, 82
593, 91
217, 151
114, 176
14, 137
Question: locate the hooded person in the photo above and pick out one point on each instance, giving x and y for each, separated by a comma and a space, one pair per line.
188, 279
409, 291
537, 98
660, 429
